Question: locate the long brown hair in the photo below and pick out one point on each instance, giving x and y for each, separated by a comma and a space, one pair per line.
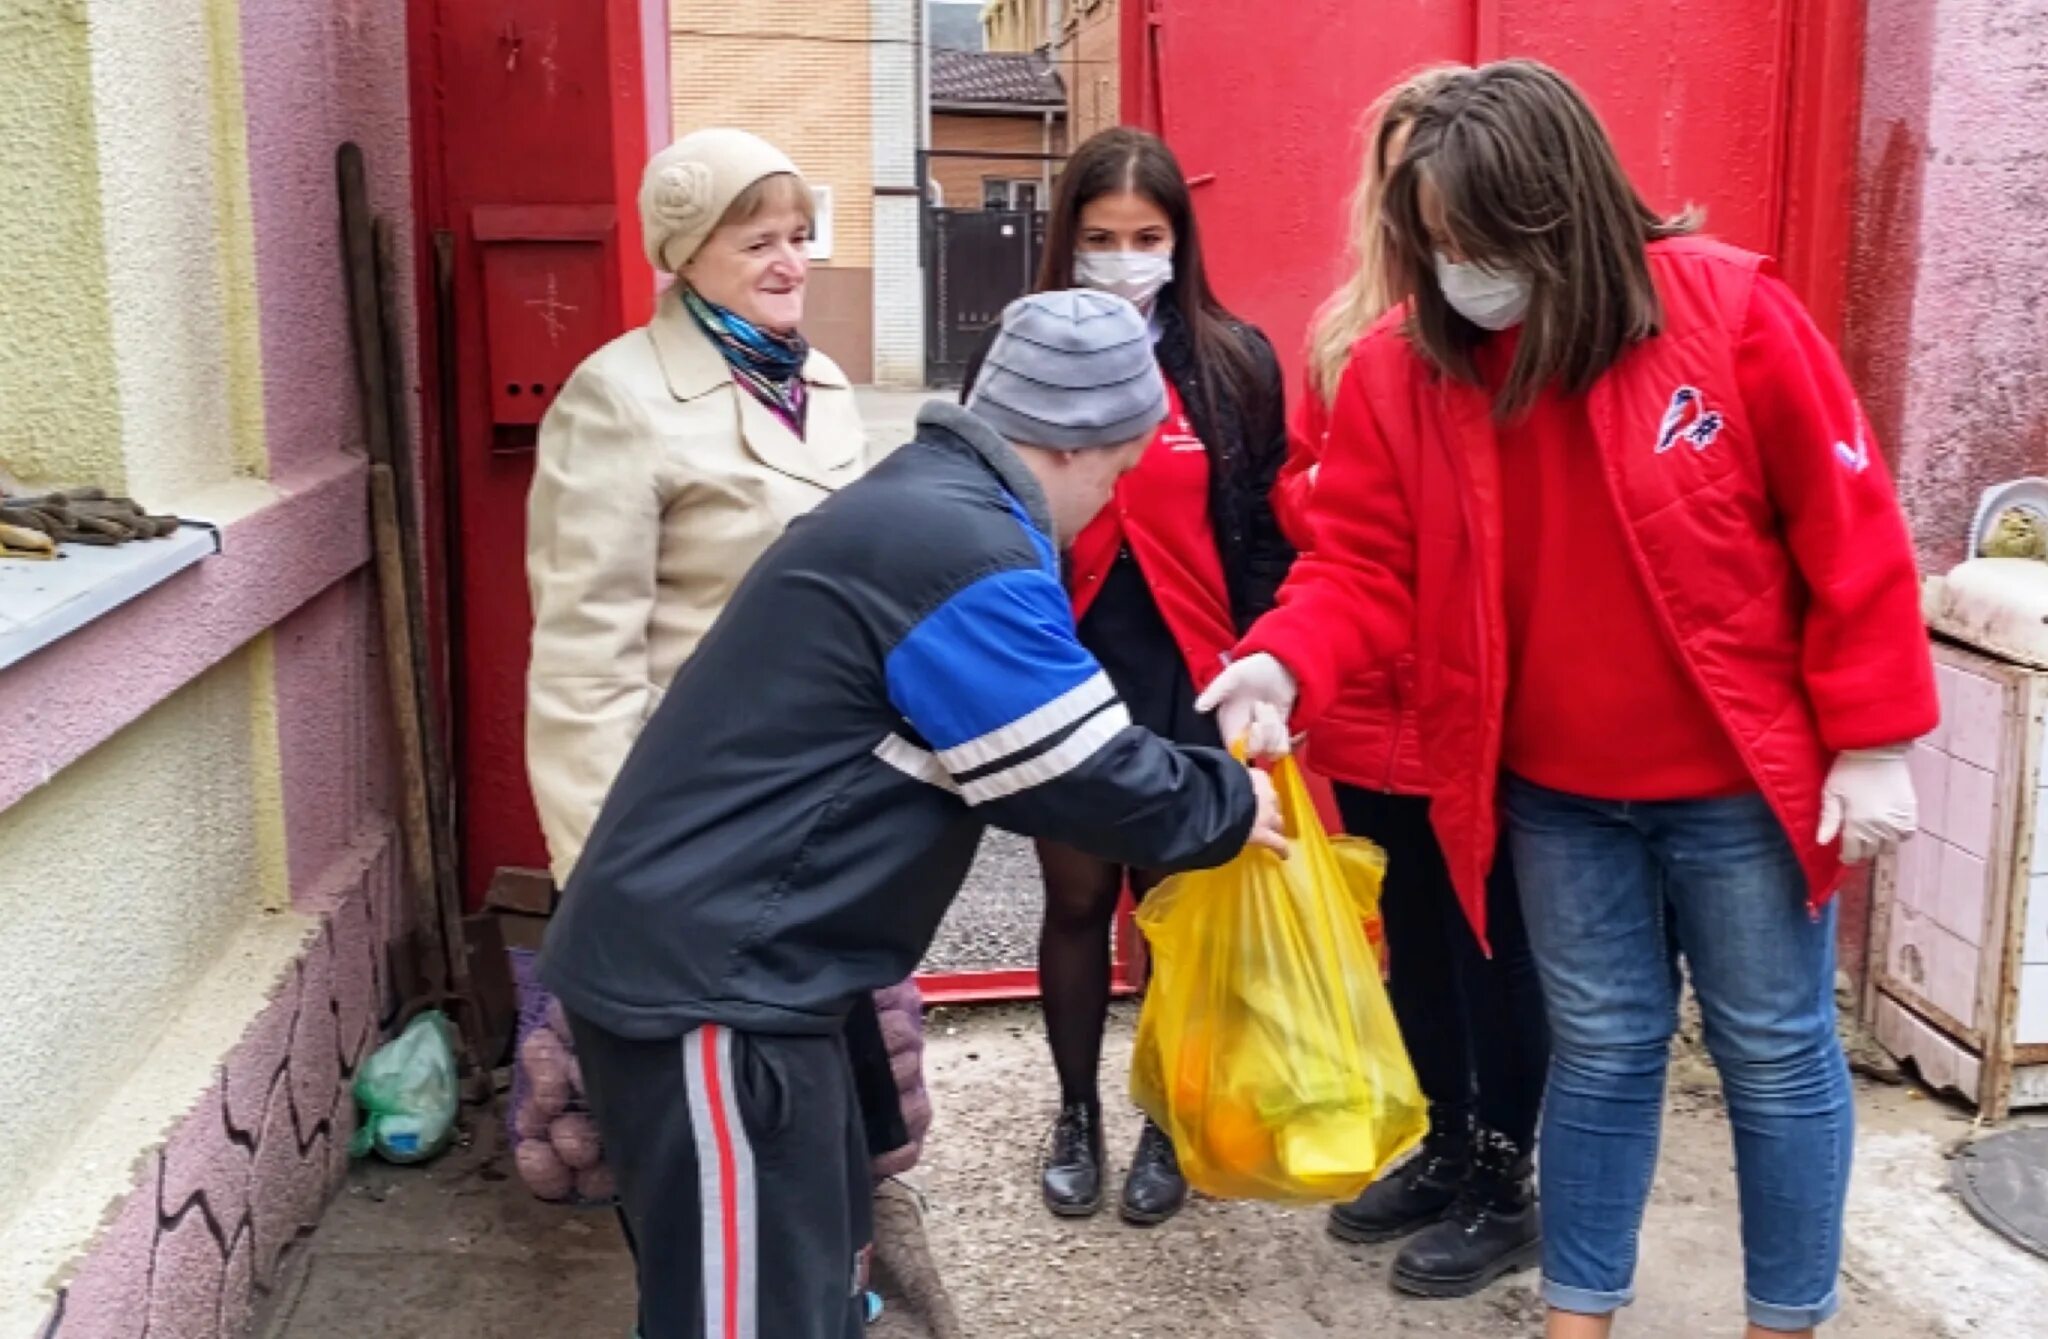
1367, 289
1124, 159
1524, 178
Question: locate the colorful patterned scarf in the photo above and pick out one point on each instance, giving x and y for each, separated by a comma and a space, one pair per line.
769, 365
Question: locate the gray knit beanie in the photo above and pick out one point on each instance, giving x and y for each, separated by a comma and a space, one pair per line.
1069, 371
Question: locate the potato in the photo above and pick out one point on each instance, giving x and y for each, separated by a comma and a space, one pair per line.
546, 1066
917, 1115
529, 1121
545, 1174
542, 1049
901, 1033
576, 1141
596, 1185
549, 1092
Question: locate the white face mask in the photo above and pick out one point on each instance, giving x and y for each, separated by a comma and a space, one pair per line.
1134, 275
1489, 299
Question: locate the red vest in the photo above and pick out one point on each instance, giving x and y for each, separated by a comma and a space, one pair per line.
1161, 513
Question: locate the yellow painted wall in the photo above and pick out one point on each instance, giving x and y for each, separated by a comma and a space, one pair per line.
120, 884
172, 163
130, 353
234, 211
56, 345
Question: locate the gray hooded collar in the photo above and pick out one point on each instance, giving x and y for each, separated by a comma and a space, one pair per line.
987, 443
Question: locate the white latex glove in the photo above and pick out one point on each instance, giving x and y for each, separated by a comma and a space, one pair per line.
1266, 738
1868, 802
1267, 830
1243, 687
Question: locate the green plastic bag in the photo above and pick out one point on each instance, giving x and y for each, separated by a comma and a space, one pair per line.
408, 1094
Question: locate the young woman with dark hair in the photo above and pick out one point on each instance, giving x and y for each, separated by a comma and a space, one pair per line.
1163, 582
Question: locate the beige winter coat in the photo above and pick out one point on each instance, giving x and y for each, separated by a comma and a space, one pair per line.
659, 482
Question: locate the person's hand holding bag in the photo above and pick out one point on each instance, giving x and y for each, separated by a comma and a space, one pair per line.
1269, 829
1252, 700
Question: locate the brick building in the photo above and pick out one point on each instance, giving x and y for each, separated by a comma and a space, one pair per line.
1079, 38
1085, 51
997, 103
837, 85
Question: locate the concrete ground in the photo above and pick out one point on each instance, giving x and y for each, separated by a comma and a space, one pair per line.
459, 1251
891, 415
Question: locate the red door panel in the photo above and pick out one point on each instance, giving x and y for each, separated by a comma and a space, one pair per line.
1693, 94
1262, 103
533, 129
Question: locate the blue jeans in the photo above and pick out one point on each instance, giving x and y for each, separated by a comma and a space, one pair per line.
1613, 894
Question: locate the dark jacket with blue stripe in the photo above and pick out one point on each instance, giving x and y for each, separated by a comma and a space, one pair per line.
897, 673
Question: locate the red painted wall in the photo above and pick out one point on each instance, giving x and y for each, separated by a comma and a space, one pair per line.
1717, 104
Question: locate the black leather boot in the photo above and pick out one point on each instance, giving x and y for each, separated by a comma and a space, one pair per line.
1419, 1192
1072, 1179
1154, 1189
1495, 1228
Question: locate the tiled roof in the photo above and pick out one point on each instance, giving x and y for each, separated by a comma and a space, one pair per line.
1014, 77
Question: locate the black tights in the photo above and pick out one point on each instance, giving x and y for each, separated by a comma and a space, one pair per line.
1073, 961
1474, 1025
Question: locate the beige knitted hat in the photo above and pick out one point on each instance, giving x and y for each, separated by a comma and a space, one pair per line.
689, 185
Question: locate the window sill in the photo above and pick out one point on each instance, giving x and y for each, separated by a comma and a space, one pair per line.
284, 543
41, 602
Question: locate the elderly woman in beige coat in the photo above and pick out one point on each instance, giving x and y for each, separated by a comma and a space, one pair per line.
673, 457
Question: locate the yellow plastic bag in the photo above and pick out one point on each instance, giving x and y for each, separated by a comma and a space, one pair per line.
1266, 1047
1365, 874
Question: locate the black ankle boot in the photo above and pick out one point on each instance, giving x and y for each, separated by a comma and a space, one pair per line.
1495, 1228
1154, 1189
1072, 1179
1419, 1192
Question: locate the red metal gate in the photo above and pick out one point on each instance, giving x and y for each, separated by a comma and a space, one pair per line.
532, 121
1747, 107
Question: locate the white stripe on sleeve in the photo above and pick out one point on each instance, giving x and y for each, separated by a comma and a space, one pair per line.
1055, 762
1034, 727
914, 762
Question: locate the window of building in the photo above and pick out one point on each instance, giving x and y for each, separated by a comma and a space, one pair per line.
821, 228
1010, 193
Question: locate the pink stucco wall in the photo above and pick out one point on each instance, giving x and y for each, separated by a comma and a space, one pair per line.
317, 73
320, 73
246, 1174
1948, 321
334, 729
217, 1212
